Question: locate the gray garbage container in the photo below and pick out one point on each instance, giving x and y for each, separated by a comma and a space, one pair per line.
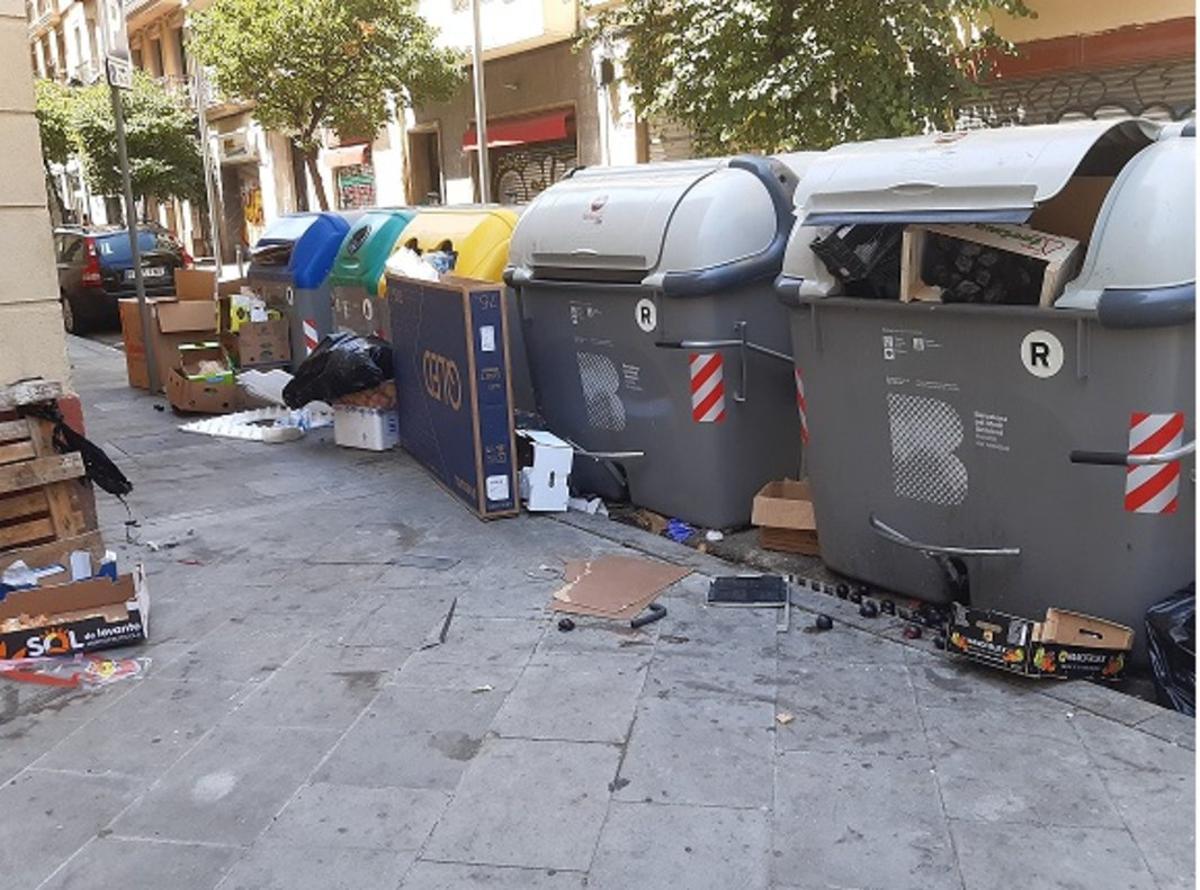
977, 452
653, 336
289, 269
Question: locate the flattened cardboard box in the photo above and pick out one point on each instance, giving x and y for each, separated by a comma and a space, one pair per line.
69, 619
1066, 645
453, 386
783, 511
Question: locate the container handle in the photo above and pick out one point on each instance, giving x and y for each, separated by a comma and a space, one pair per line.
888, 533
1124, 459
740, 343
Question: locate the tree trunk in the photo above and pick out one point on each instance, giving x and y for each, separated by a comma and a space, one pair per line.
55, 196
314, 172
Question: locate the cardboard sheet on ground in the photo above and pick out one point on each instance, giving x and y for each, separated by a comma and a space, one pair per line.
617, 587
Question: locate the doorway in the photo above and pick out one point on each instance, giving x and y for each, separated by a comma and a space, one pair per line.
425, 171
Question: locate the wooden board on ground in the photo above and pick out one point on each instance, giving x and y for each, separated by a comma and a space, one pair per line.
56, 551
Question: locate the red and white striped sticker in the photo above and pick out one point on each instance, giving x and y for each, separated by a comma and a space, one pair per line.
310, 335
1153, 488
802, 406
708, 387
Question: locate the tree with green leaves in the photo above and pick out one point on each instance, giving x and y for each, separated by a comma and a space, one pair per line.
53, 104
313, 65
160, 135
773, 75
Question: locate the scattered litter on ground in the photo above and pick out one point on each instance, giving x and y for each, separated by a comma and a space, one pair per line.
404, 560
912, 631
679, 531
545, 573
654, 612
783, 718
566, 625
486, 687
270, 425
713, 536
437, 635
341, 364
823, 623
617, 587
73, 671
868, 609
266, 386
591, 506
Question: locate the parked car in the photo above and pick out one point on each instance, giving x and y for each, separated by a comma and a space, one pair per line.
95, 269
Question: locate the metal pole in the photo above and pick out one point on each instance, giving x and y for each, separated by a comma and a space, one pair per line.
135, 249
200, 87
481, 139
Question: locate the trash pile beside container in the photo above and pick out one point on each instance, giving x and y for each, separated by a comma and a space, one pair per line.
971, 353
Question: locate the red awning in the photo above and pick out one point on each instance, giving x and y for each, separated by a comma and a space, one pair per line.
344, 156
549, 127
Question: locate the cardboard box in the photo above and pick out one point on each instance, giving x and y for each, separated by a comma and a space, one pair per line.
784, 513
172, 323
198, 284
453, 385
263, 343
546, 474
192, 389
1059, 255
372, 429
67, 619
1066, 645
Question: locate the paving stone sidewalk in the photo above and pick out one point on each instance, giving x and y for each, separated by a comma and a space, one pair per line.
290, 732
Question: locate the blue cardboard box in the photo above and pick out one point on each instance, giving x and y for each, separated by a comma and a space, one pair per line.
454, 387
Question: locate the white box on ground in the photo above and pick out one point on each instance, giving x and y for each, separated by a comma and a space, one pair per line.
544, 482
372, 429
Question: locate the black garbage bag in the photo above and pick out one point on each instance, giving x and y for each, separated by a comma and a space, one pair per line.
97, 465
340, 365
1171, 639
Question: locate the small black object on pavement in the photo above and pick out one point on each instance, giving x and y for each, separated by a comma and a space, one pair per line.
565, 624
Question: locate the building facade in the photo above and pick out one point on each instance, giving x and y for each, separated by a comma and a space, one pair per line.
1102, 58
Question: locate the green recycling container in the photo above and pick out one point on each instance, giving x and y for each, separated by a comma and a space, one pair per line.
356, 282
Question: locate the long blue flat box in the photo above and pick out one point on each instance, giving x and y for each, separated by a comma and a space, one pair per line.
454, 389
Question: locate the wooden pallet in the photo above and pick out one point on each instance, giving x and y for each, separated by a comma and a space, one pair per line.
47, 507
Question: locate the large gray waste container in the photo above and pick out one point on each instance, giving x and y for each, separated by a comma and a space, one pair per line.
637, 288
948, 444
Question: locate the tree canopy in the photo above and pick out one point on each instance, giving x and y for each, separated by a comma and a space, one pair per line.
774, 75
311, 65
160, 135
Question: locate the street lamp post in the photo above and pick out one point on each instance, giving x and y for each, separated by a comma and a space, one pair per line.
481, 139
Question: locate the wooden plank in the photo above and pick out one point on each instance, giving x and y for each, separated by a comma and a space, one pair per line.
41, 471
29, 392
56, 552
13, 429
25, 533
27, 503
72, 505
15, 451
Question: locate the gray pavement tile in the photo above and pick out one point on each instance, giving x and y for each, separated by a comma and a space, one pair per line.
871, 822
494, 642
850, 707
24, 739
1055, 858
304, 693
714, 751
413, 738
453, 876
280, 867
232, 654
530, 599
49, 815
579, 698
421, 672
803, 649
528, 803
400, 619
132, 736
592, 635
1000, 767
144, 865
682, 671
324, 815
228, 787
1038, 722
944, 681
1173, 727
1102, 700
698, 848
1152, 784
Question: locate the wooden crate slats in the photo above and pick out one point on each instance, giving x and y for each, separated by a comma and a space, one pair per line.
56, 551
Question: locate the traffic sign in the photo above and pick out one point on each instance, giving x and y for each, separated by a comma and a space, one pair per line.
118, 64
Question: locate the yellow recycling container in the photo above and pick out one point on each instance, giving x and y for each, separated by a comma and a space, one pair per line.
476, 237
